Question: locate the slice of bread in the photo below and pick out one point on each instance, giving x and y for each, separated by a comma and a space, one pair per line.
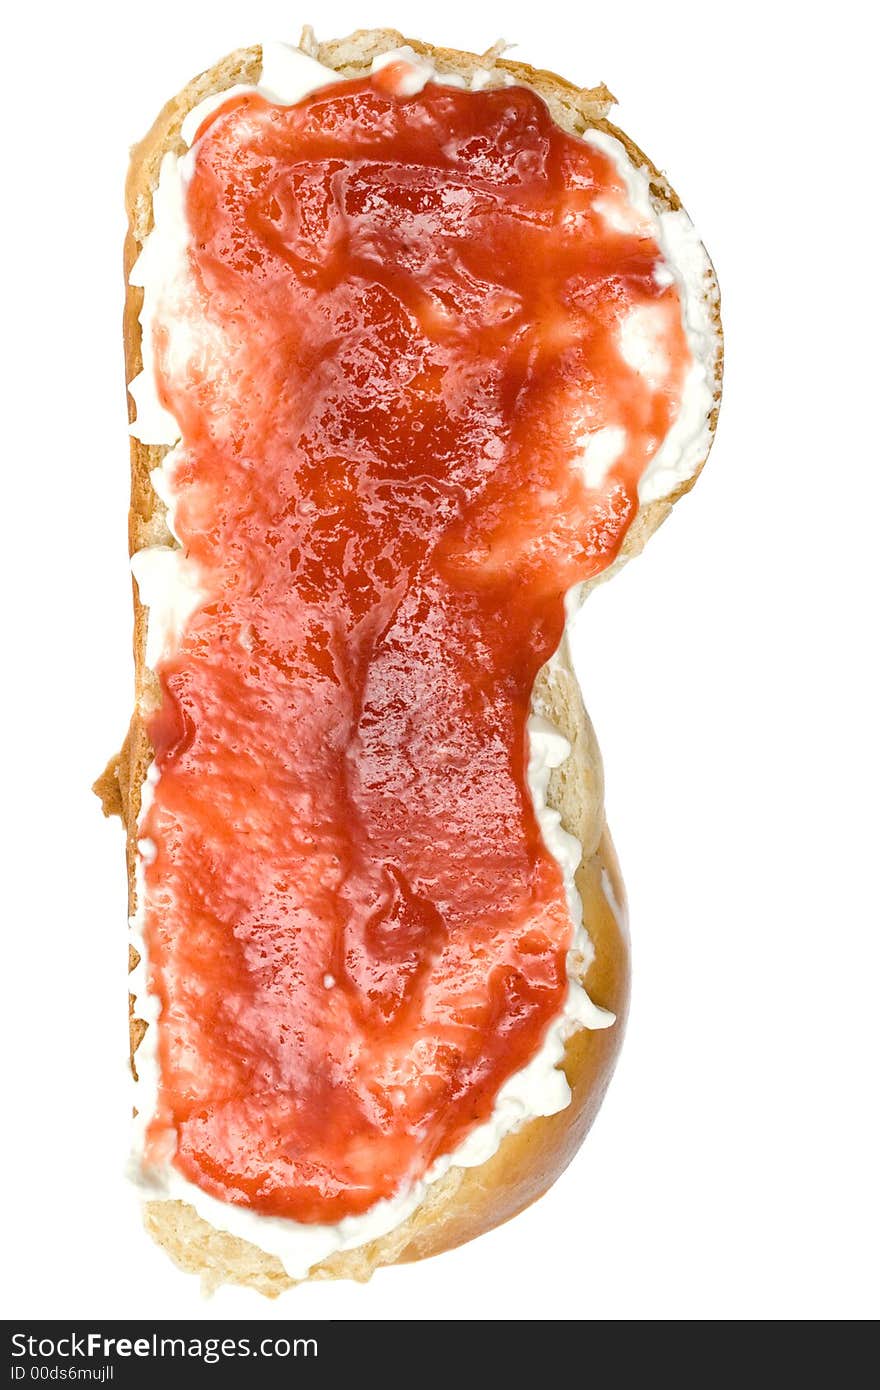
465, 1202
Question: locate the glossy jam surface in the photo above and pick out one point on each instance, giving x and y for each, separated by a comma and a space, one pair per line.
404, 323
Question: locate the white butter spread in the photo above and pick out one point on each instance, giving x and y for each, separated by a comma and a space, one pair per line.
168, 588
602, 448
686, 262
416, 73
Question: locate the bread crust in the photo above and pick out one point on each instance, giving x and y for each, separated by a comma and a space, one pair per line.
465, 1202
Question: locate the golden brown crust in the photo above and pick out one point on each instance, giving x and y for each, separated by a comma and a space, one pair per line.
465, 1202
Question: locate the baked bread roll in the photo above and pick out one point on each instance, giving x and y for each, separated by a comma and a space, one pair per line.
447, 1204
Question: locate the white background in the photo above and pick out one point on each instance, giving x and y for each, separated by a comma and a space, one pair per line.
731, 673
